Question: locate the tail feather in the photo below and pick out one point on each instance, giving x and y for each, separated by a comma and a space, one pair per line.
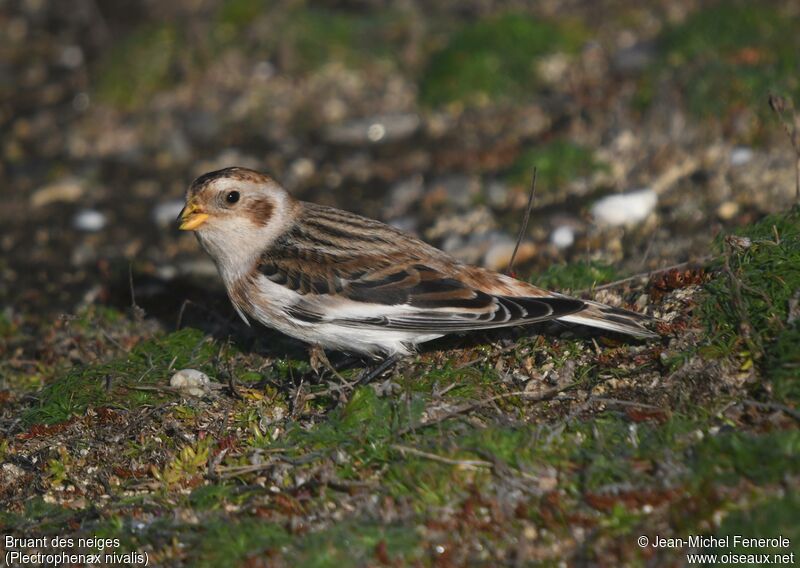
609, 318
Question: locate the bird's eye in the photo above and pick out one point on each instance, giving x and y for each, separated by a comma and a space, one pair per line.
232, 197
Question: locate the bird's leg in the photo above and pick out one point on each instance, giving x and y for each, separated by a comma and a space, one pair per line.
319, 361
372, 374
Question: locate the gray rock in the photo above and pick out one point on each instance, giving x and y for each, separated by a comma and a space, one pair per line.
191, 382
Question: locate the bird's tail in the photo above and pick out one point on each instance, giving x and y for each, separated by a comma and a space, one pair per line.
612, 319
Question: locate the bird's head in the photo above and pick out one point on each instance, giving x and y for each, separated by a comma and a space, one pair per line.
236, 213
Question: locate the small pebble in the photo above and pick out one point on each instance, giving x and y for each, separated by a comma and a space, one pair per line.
563, 237
191, 382
625, 208
741, 155
67, 190
497, 194
89, 220
728, 210
380, 128
499, 254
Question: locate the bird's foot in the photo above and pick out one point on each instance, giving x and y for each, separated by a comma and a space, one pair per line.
320, 363
370, 374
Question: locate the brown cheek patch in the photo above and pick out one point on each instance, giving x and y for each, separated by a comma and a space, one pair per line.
260, 212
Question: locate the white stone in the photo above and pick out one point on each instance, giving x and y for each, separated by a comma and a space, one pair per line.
625, 208
741, 155
89, 220
563, 237
190, 381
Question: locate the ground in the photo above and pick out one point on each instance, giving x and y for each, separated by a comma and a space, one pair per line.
546, 445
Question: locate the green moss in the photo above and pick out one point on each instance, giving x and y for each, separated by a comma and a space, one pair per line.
469, 382
427, 484
138, 66
493, 58
770, 518
350, 543
7, 327
783, 365
236, 15
45, 517
210, 497
318, 36
557, 163
150, 363
362, 429
761, 458
355, 543
732, 54
225, 543
747, 311
576, 276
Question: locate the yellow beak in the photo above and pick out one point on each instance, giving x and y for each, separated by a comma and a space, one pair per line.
191, 217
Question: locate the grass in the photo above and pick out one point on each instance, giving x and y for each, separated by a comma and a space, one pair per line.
494, 59
730, 55
576, 276
746, 307
271, 476
766, 518
113, 384
557, 163
139, 66
153, 57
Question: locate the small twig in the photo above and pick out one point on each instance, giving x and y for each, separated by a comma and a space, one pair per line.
114, 341
621, 402
213, 463
138, 312
348, 485
441, 459
464, 408
779, 104
488, 356
180, 314
524, 227
774, 406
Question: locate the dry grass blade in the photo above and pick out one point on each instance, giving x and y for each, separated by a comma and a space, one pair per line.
465, 408
779, 105
524, 227
441, 459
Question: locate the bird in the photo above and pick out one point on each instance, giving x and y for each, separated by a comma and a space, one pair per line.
343, 282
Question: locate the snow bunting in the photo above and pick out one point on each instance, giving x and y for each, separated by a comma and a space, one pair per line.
344, 282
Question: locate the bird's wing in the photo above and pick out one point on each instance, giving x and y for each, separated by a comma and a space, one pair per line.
389, 292
358, 272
